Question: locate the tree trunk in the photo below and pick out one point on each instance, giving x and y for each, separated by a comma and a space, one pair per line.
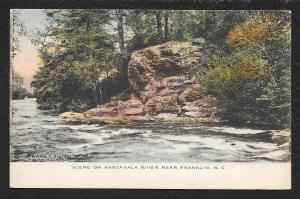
121, 36
97, 82
159, 26
97, 87
99, 96
100, 92
166, 25
119, 14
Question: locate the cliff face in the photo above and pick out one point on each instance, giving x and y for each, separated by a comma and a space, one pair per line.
161, 89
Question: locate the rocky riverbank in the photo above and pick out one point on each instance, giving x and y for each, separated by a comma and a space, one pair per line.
161, 90
35, 132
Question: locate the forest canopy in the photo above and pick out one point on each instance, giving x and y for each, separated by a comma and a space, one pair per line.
246, 65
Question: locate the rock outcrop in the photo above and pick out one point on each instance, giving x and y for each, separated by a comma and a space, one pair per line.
71, 116
281, 136
161, 89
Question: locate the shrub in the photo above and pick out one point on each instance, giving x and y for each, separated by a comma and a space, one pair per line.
250, 76
237, 80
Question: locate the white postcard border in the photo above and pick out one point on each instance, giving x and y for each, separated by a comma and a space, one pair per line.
271, 176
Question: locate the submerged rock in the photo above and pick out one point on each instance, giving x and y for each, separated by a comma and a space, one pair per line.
119, 119
196, 114
189, 108
174, 118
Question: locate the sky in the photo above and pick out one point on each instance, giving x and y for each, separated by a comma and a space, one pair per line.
25, 62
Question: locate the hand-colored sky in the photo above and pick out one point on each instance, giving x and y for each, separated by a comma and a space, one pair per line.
26, 60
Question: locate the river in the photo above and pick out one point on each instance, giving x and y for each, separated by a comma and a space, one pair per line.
37, 135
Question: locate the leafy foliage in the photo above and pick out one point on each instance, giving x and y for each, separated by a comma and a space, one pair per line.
18, 30
142, 30
245, 57
234, 80
252, 79
78, 52
18, 91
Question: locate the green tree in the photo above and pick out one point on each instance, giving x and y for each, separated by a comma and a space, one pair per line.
76, 53
145, 28
251, 76
18, 90
18, 30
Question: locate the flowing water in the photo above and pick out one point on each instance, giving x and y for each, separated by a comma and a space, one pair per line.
37, 135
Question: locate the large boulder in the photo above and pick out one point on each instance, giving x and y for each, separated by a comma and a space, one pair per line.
161, 87
162, 104
281, 136
71, 116
152, 63
119, 106
191, 93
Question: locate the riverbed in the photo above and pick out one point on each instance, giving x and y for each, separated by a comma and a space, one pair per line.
37, 135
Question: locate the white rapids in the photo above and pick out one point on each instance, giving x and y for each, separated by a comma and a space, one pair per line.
35, 132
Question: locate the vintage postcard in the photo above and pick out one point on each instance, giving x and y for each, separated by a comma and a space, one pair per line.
178, 99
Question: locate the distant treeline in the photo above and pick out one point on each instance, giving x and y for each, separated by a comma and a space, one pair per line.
18, 90
245, 65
